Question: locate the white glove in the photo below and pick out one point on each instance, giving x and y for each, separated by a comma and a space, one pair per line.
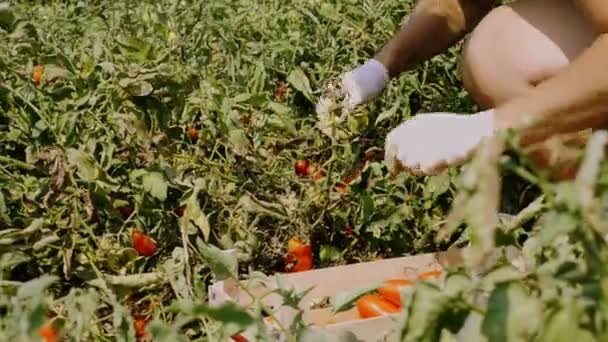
364, 83
428, 143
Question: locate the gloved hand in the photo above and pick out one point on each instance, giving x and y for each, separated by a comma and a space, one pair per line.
364, 83
428, 143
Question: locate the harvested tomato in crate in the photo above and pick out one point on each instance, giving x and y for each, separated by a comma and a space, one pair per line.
371, 317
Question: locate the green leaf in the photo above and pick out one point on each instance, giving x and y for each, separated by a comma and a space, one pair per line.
345, 300
162, 332
84, 163
136, 87
563, 326
239, 142
279, 108
119, 259
155, 184
226, 313
389, 113
512, 314
7, 19
437, 185
222, 264
135, 48
195, 216
36, 287
297, 78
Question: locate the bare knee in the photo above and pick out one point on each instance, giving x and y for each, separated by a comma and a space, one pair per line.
518, 46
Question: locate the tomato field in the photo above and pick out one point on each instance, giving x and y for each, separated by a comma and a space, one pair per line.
139, 139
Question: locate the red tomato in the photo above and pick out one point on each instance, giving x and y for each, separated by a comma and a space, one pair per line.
370, 305
37, 73
238, 338
302, 168
281, 90
125, 211
48, 333
192, 133
143, 244
299, 256
348, 230
140, 328
179, 211
391, 290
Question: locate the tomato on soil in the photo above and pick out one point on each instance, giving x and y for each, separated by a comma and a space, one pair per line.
48, 333
302, 168
299, 256
125, 211
391, 290
348, 230
140, 328
371, 305
192, 133
179, 211
37, 73
319, 175
143, 244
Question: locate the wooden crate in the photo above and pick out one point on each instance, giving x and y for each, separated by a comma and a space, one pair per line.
331, 281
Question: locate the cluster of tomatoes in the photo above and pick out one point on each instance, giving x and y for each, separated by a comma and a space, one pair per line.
388, 299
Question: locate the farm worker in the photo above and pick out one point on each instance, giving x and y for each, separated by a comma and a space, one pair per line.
541, 59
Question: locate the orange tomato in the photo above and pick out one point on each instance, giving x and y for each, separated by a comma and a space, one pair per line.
293, 244
48, 333
371, 305
192, 133
430, 275
302, 168
319, 175
143, 244
391, 290
37, 73
140, 328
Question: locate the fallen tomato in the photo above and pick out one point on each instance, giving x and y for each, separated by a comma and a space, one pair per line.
348, 230
319, 175
48, 333
140, 328
299, 256
143, 244
302, 168
193, 133
179, 211
371, 305
125, 211
37, 73
391, 290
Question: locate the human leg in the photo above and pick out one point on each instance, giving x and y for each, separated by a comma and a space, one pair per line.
517, 46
